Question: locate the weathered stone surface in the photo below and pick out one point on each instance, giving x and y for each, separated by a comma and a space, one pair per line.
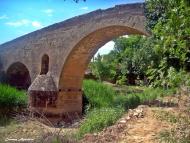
69, 46
43, 83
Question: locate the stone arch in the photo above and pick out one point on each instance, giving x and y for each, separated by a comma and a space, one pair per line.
18, 76
71, 78
75, 65
44, 64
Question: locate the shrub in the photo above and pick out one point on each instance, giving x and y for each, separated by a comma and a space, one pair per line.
171, 79
98, 119
11, 98
98, 94
127, 102
132, 100
121, 80
106, 106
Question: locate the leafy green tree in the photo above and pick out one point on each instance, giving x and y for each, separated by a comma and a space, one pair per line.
170, 37
129, 60
160, 57
155, 10
101, 69
135, 55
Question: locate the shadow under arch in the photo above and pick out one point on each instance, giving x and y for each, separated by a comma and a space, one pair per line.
76, 63
18, 76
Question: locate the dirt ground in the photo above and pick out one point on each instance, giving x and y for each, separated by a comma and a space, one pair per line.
145, 124
144, 130
132, 129
32, 130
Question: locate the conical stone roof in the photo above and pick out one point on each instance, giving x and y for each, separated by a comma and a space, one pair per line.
43, 83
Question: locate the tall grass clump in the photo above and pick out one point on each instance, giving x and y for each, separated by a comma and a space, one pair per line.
151, 94
98, 94
106, 106
11, 98
98, 119
102, 111
127, 102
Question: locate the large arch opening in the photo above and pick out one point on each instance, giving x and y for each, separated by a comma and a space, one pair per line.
74, 68
18, 76
71, 78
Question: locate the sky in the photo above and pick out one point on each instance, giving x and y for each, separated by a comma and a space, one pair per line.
19, 17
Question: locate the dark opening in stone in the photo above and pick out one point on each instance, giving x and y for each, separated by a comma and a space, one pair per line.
44, 65
18, 76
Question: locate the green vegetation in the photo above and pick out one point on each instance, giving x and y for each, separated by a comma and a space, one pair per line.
98, 119
98, 94
102, 110
161, 60
168, 21
106, 106
11, 99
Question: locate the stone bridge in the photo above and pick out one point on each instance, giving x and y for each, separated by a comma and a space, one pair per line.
51, 62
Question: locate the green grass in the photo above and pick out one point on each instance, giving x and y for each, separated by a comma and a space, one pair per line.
132, 100
98, 94
11, 98
98, 119
124, 89
106, 105
104, 109
150, 94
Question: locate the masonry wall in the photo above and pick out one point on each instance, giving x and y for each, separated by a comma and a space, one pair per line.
58, 40
70, 45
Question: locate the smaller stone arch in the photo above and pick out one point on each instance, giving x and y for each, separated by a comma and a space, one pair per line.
44, 64
18, 76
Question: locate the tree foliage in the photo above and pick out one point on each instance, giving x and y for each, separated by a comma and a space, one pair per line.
171, 37
128, 58
102, 69
163, 56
